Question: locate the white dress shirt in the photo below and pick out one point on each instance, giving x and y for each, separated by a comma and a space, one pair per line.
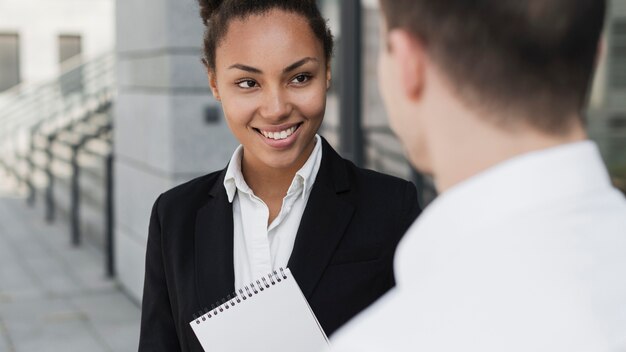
258, 248
529, 255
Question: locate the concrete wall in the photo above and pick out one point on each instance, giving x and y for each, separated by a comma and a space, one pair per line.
39, 23
161, 137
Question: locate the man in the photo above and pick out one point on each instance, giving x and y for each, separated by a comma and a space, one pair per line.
525, 249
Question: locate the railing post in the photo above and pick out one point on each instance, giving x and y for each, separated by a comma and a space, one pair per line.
351, 60
30, 200
109, 220
50, 186
75, 198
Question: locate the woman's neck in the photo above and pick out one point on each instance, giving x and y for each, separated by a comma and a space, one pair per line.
267, 182
270, 183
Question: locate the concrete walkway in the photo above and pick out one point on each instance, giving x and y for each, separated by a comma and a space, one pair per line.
54, 297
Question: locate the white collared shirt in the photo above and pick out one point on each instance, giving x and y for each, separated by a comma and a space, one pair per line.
258, 248
529, 255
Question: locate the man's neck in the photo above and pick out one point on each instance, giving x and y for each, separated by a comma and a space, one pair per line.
484, 146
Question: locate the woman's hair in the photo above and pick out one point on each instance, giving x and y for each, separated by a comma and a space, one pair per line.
217, 14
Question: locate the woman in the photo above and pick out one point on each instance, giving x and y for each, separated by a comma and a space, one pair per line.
286, 198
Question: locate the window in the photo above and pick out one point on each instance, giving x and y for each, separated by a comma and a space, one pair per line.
9, 61
618, 54
69, 46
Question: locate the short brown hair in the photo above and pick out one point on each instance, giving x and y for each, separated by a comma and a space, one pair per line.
531, 57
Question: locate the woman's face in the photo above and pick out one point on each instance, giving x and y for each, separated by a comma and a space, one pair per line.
271, 77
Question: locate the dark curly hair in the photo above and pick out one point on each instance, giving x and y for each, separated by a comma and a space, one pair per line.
216, 15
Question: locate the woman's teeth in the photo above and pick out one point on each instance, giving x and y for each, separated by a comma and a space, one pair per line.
280, 135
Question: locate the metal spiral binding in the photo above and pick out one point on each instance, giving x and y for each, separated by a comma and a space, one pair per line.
240, 295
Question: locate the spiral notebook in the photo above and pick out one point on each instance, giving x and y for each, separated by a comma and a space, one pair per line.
270, 314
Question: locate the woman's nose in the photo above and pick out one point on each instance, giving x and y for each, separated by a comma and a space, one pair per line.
275, 105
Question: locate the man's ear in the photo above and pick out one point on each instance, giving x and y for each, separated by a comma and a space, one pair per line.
409, 55
213, 84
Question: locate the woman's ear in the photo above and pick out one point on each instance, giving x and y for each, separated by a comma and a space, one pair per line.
409, 56
213, 84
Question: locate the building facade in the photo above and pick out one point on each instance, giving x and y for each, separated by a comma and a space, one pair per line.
37, 35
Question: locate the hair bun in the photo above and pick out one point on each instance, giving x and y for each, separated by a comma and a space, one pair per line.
207, 8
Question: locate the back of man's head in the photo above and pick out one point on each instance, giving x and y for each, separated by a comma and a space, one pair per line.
530, 58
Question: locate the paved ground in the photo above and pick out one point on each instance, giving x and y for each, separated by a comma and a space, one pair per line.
54, 297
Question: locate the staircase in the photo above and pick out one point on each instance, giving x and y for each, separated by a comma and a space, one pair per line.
56, 140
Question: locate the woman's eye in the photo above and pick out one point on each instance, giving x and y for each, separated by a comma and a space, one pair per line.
299, 79
247, 84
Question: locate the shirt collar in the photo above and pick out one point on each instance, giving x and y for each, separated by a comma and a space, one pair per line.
308, 171
528, 181
234, 181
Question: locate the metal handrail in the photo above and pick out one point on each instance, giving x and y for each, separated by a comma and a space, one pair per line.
26, 105
47, 110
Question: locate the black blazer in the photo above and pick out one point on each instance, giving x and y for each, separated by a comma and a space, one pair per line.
342, 257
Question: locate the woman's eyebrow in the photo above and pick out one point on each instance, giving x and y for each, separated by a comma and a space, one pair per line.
287, 69
246, 68
299, 63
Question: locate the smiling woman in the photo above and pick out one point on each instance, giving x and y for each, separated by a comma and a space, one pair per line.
286, 199
273, 96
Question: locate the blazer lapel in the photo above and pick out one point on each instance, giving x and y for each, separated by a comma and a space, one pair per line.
323, 223
215, 277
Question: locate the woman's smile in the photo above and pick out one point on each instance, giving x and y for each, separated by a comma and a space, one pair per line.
280, 137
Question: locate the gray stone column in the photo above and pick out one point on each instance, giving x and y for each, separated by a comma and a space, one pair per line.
162, 137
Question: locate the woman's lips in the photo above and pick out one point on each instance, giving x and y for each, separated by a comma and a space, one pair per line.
280, 139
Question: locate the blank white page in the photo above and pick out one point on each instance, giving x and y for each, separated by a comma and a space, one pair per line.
276, 319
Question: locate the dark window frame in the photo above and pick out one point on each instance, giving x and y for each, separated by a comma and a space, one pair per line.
18, 66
